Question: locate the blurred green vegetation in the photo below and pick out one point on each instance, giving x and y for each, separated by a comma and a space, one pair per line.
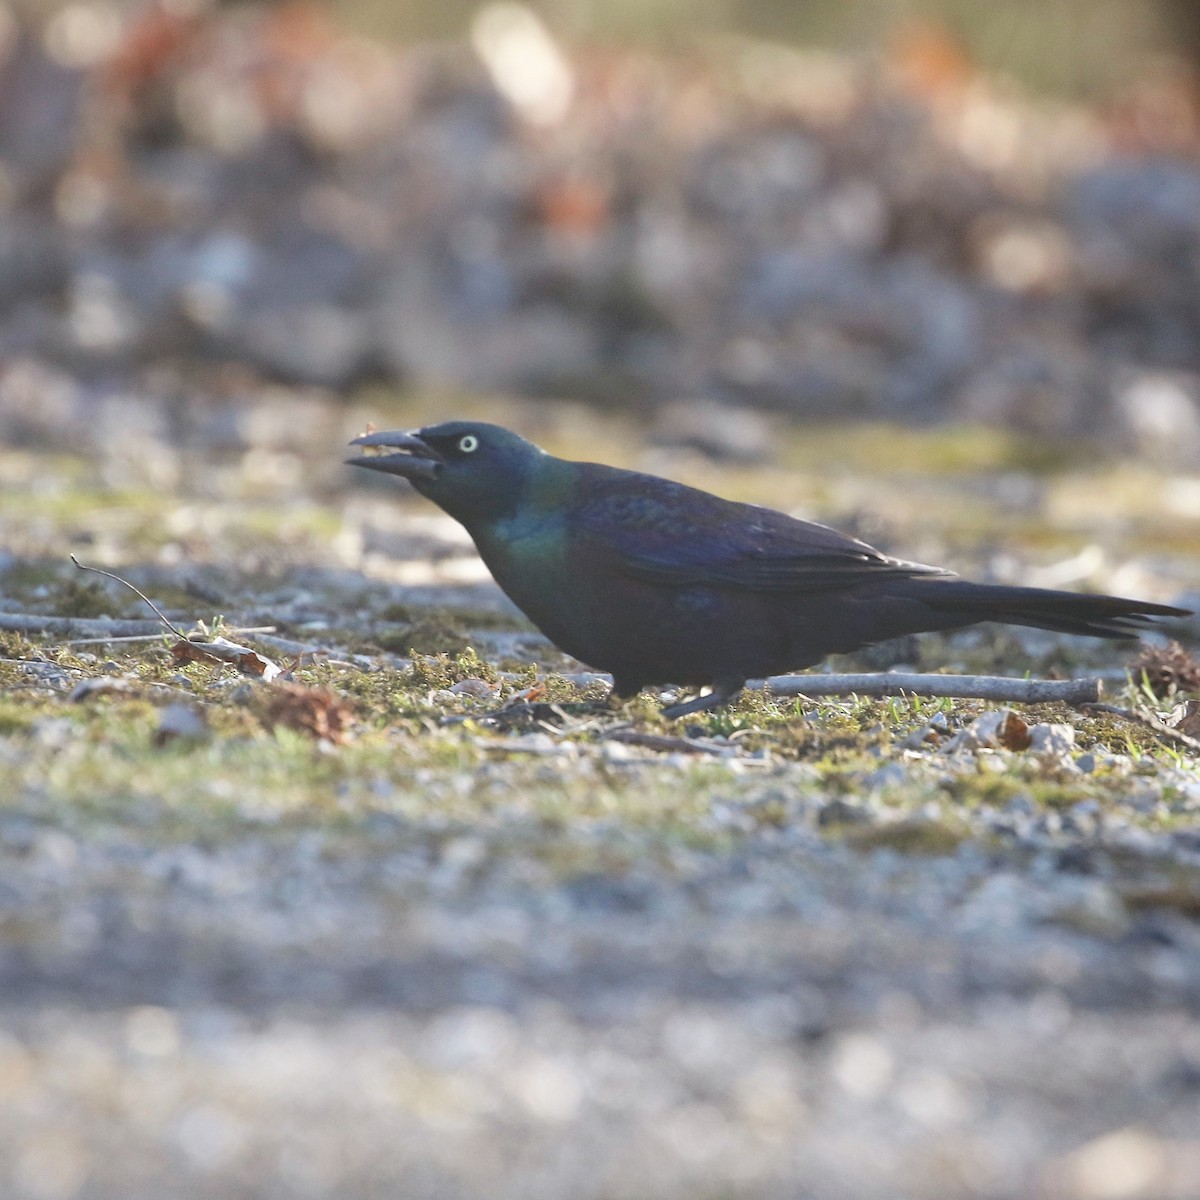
1071, 47
1076, 48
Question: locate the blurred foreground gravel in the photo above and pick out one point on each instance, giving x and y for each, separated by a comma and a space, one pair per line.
411, 1009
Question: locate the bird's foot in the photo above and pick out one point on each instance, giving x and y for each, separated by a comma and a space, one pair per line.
721, 695
531, 714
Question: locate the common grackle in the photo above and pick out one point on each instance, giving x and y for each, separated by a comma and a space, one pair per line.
661, 583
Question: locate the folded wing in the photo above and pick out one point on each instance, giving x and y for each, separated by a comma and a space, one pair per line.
663, 532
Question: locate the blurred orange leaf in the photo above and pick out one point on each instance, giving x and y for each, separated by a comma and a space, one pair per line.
573, 205
931, 59
313, 710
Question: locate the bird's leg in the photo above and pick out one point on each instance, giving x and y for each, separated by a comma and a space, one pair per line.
622, 689
723, 691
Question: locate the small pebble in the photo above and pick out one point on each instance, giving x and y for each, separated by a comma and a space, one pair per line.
180, 722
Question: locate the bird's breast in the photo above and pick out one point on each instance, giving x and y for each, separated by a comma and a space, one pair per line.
530, 561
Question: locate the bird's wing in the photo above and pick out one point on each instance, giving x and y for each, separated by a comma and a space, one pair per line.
664, 532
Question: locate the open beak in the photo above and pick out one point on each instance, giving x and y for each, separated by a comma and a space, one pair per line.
399, 453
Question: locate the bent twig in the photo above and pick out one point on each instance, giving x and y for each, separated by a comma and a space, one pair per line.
957, 687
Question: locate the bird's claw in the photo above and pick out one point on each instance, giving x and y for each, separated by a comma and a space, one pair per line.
719, 696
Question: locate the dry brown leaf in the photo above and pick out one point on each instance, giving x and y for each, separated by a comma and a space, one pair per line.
531, 695
1001, 727
220, 649
313, 710
1013, 733
1167, 667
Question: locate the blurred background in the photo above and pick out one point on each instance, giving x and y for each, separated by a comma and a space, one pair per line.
921, 268
926, 269
894, 210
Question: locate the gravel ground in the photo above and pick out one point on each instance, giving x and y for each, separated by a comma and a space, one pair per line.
425, 1008
870, 952
851, 949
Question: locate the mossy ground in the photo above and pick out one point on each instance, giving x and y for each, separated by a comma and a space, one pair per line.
421, 747
435, 895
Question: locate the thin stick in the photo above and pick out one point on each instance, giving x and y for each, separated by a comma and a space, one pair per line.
153, 637
1149, 721
139, 594
106, 641
286, 645
959, 687
666, 742
87, 626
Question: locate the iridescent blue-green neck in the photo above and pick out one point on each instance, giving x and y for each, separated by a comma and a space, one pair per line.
528, 495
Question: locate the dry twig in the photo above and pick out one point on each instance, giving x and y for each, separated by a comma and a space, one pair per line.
1148, 721
668, 742
258, 630
958, 687
94, 628
158, 612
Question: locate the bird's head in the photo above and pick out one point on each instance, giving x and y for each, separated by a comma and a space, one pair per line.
468, 468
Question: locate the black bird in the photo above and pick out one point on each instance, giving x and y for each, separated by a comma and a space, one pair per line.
662, 583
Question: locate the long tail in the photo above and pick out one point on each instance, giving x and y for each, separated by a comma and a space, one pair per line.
961, 602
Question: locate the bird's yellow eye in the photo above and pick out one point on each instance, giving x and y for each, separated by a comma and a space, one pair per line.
468, 443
